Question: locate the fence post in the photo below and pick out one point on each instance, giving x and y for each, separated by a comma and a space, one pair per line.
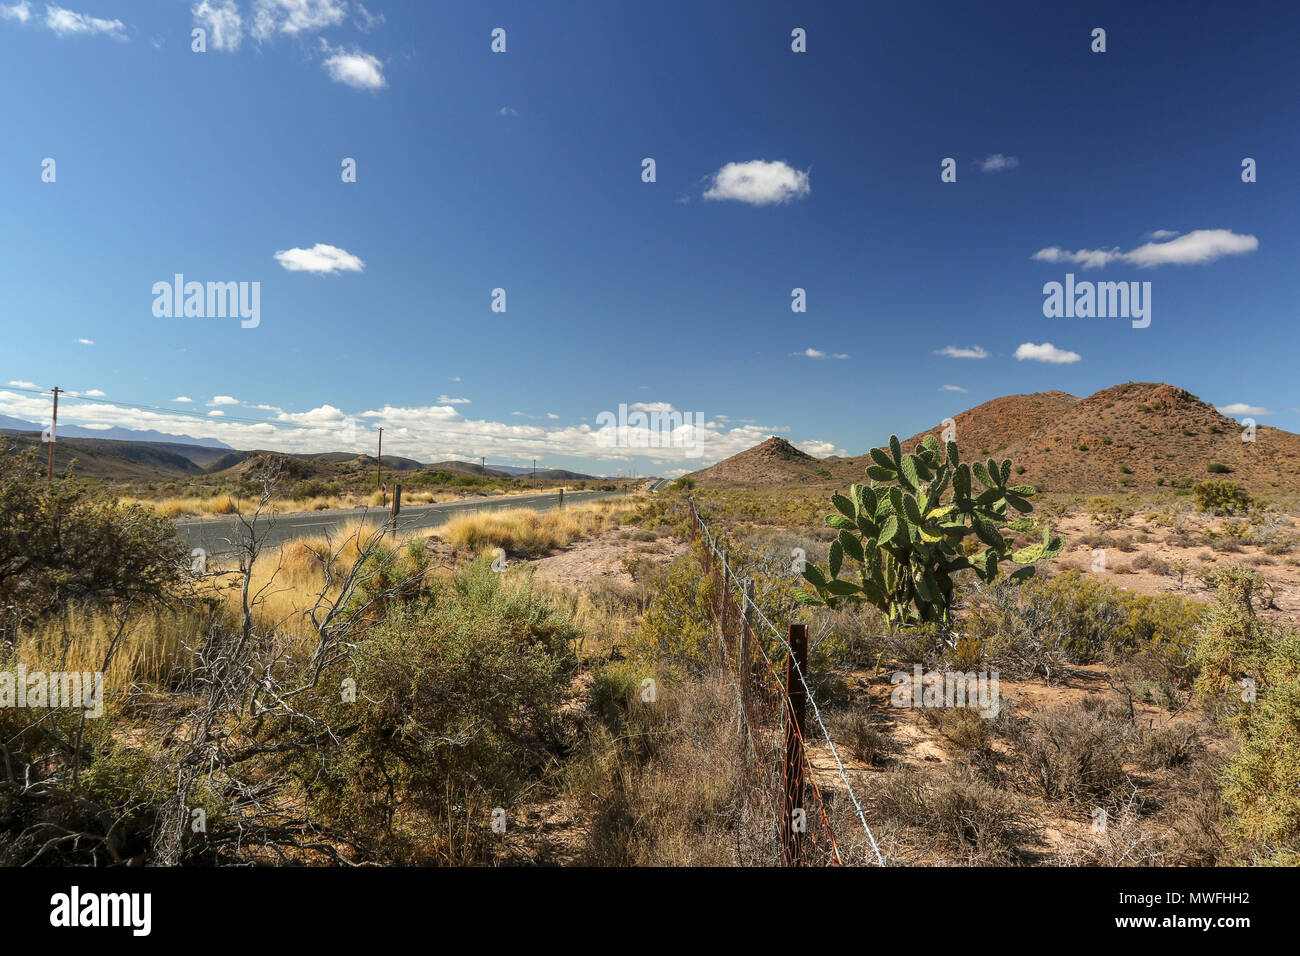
795, 823
397, 504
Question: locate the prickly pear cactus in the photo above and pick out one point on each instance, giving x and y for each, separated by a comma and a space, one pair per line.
904, 532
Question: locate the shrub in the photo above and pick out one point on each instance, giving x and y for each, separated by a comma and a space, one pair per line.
1263, 780
72, 544
861, 737
437, 737
1220, 496
966, 729
1217, 468
1075, 754
966, 813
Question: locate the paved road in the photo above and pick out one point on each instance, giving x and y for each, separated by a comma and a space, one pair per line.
214, 535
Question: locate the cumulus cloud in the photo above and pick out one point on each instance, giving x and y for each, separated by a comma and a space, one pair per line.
758, 183
1047, 352
966, 352
1161, 234
1194, 248
507, 111
292, 17
356, 68
221, 20
425, 433
93, 393
182, 399
85, 341
20, 384
952, 388
320, 258
1241, 408
996, 162
223, 400
70, 23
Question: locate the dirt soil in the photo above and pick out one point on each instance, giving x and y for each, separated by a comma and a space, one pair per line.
602, 558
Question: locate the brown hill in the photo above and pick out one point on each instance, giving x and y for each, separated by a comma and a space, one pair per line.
1136, 436
774, 462
1002, 421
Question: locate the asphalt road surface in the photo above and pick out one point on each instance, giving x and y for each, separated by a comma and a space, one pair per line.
214, 535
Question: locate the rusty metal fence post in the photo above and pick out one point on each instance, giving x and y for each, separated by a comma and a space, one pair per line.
795, 824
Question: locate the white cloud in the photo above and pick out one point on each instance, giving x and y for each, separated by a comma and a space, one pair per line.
221, 20
954, 351
429, 433
819, 449
93, 393
22, 12
1047, 352
651, 407
1088, 258
552, 415
1194, 248
68, 23
819, 354
996, 162
507, 111
17, 384
292, 17
182, 398
357, 69
365, 20
85, 342
952, 388
1241, 408
320, 258
758, 183
223, 400
1161, 234
453, 401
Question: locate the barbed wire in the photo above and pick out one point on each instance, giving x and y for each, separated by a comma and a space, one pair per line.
746, 601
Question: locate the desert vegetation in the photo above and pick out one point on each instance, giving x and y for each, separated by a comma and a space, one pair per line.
356, 699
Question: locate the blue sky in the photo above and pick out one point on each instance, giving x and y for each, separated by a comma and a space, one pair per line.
522, 171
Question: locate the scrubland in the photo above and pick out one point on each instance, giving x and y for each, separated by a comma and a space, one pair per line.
432, 700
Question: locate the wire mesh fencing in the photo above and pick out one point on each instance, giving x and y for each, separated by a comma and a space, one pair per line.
778, 715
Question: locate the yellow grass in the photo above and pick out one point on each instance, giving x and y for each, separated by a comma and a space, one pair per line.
521, 531
151, 647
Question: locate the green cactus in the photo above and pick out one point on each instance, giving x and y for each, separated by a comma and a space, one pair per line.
906, 539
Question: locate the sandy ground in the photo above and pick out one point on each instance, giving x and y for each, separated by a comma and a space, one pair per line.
1138, 537
601, 559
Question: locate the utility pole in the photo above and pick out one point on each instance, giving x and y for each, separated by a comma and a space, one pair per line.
379, 464
482, 465
54, 422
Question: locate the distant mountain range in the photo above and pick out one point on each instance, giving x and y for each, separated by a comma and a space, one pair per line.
154, 456
111, 434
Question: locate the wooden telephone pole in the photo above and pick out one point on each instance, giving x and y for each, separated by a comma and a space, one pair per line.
379, 464
54, 421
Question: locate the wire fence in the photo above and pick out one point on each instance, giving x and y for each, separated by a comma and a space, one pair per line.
773, 699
